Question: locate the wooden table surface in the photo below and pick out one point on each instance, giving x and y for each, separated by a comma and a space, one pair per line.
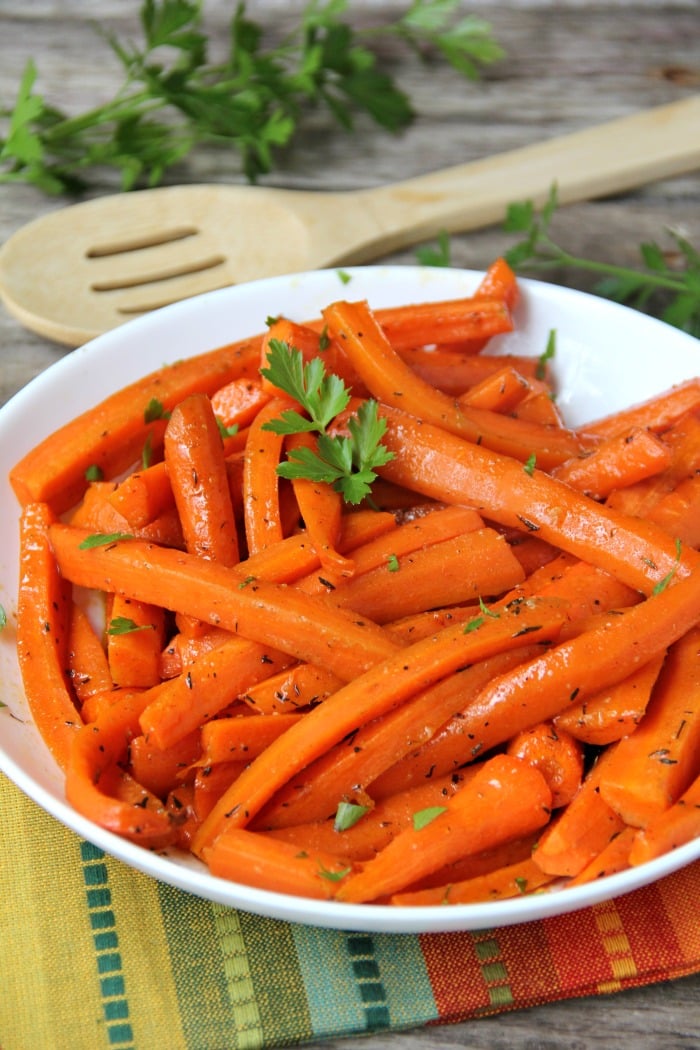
568, 65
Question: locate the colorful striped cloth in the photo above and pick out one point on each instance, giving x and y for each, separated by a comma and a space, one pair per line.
94, 955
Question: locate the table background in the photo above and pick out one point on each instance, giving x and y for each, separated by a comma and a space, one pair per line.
567, 65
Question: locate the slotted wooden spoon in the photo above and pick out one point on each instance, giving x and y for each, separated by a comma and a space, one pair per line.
84, 269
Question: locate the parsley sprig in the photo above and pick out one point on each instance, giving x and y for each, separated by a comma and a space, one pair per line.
667, 284
345, 461
174, 98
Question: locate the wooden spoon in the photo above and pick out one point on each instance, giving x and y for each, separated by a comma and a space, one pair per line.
84, 269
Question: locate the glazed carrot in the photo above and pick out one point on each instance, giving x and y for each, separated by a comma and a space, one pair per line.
618, 461
311, 340
242, 737
196, 466
111, 435
506, 798
368, 696
236, 404
499, 392
678, 512
557, 755
321, 509
657, 413
655, 764
307, 627
453, 373
445, 467
143, 495
679, 824
521, 877
160, 770
612, 858
98, 513
539, 406
582, 830
94, 781
455, 570
431, 525
377, 826
86, 659
135, 639
43, 626
210, 782
301, 685
612, 713
182, 649
393, 383
280, 867
355, 763
450, 321
261, 505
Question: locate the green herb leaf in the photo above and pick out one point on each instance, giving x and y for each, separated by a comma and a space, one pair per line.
348, 814
154, 410
102, 539
663, 583
333, 876
530, 463
393, 563
426, 816
94, 473
124, 625
438, 255
3, 618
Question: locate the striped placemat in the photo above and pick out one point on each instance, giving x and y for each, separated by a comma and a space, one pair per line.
94, 955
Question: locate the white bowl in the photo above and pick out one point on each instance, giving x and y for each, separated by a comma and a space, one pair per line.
607, 357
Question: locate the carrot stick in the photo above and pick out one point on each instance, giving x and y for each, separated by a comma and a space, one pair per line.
261, 504
279, 617
281, 867
499, 392
236, 404
43, 625
210, 782
454, 373
160, 770
678, 512
311, 340
657, 413
557, 755
301, 685
445, 467
393, 383
321, 509
368, 696
143, 496
377, 826
506, 798
135, 638
656, 763
242, 737
98, 513
617, 462
455, 570
612, 858
357, 761
679, 824
196, 466
110, 436
512, 881
582, 830
86, 659
451, 321
612, 713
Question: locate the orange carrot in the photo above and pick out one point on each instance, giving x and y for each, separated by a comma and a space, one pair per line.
302, 685
98, 513
261, 504
242, 737
237, 403
657, 413
210, 782
281, 867
679, 824
111, 435
612, 713
617, 462
612, 858
656, 763
43, 625
393, 383
161, 770
143, 495
521, 877
445, 467
499, 392
368, 696
505, 799
321, 509
454, 373
86, 659
557, 755
135, 637
473, 319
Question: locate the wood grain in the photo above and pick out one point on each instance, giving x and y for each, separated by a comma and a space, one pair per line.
568, 65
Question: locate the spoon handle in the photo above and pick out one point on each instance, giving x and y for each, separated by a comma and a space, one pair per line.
609, 158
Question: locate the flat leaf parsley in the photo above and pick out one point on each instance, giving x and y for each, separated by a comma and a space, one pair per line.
348, 462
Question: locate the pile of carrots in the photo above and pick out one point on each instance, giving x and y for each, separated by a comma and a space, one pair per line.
480, 682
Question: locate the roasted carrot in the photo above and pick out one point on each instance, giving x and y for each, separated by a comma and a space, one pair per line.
86, 659
321, 510
160, 770
298, 686
393, 383
261, 502
506, 798
194, 458
454, 374
676, 826
619, 461
236, 404
471, 320
98, 514
242, 737
614, 857
518, 878
655, 764
368, 696
499, 392
210, 782
111, 435
135, 639
43, 626
445, 467
143, 495
557, 755
657, 413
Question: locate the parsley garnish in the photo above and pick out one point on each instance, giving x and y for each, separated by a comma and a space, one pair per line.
124, 625
529, 465
94, 473
438, 255
478, 621
252, 100
226, 432
426, 816
154, 410
393, 563
103, 539
3, 618
663, 583
346, 462
348, 814
333, 876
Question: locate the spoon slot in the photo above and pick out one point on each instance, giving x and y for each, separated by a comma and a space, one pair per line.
133, 244
184, 270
